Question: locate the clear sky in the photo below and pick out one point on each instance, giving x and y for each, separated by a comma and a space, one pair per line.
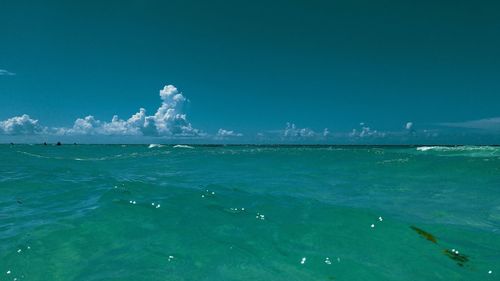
393, 71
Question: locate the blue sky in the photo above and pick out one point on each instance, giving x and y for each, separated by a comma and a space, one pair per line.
251, 67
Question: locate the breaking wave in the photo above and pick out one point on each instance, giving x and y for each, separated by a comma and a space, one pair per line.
466, 150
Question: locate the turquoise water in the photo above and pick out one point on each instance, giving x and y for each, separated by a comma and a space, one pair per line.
132, 212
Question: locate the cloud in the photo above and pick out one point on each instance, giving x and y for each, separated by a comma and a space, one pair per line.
489, 124
170, 121
409, 128
167, 121
20, 125
291, 131
134, 126
4, 72
87, 125
294, 133
365, 132
226, 133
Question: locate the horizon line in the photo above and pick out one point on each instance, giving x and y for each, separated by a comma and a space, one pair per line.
254, 144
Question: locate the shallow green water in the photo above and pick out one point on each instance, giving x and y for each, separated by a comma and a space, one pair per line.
248, 213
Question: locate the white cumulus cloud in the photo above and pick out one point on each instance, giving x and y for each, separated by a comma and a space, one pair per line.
20, 125
167, 121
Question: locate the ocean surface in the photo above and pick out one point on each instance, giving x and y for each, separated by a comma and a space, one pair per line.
139, 212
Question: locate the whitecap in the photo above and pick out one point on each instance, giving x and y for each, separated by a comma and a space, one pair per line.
153, 145
459, 148
465, 150
425, 148
183, 146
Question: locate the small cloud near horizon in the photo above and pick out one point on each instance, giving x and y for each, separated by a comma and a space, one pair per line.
292, 131
222, 133
365, 131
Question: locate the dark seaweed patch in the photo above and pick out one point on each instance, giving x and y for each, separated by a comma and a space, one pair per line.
452, 254
424, 234
456, 256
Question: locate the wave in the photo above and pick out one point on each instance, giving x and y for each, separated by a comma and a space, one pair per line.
103, 158
458, 148
183, 146
153, 145
425, 148
467, 150
38, 155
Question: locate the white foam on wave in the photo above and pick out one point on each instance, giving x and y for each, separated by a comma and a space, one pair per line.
464, 151
458, 148
153, 145
40, 156
183, 146
425, 148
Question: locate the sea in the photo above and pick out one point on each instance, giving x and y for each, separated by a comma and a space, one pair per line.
249, 212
